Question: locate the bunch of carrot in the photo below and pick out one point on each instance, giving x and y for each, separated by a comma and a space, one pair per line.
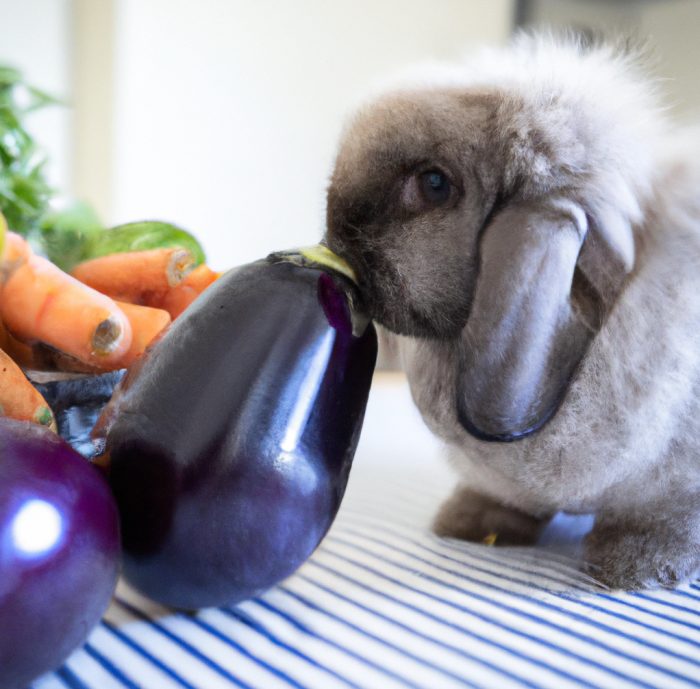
98, 318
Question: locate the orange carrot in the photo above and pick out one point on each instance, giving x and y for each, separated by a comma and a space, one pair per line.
41, 303
177, 299
137, 277
16, 247
15, 252
19, 399
146, 323
20, 353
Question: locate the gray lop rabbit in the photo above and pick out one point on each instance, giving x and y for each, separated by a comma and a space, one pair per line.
531, 225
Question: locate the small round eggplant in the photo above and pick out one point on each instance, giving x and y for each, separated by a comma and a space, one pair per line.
59, 550
230, 443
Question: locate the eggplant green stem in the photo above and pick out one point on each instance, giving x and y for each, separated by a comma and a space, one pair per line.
321, 257
318, 255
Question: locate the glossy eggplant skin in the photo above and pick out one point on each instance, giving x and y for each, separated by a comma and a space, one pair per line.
59, 550
230, 448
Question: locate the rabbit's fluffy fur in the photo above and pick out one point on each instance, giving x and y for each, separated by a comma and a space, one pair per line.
548, 292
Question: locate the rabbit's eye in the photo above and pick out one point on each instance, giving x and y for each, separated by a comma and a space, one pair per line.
422, 191
436, 187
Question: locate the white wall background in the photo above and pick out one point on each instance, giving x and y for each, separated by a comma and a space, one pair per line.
672, 27
227, 112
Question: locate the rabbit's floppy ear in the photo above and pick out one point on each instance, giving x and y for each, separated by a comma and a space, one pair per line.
607, 255
533, 316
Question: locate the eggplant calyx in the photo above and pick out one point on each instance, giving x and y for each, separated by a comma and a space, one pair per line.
322, 258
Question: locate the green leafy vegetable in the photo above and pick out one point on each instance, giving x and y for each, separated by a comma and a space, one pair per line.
68, 235
24, 192
139, 236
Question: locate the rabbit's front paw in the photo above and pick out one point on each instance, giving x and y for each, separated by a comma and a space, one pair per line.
471, 516
629, 556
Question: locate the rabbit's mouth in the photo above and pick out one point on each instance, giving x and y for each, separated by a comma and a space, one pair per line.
395, 290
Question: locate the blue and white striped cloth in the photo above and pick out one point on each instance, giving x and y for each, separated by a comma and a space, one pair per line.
385, 604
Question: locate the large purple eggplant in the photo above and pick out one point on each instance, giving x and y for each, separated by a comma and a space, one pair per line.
59, 550
229, 446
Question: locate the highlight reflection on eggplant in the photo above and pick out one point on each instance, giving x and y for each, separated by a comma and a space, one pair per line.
230, 444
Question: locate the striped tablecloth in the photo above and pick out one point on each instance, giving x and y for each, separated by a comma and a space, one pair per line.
385, 604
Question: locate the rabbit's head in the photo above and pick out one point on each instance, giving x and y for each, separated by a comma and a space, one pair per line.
494, 209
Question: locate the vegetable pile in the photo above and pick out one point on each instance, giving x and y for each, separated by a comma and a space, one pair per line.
221, 458
75, 296
99, 318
